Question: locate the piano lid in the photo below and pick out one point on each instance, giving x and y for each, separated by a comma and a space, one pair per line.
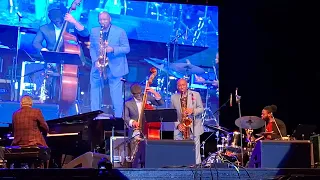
75, 118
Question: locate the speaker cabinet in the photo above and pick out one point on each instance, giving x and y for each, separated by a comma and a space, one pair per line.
119, 150
169, 153
86, 160
282, 154
316, 149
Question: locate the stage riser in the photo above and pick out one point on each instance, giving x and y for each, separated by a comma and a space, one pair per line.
163, 174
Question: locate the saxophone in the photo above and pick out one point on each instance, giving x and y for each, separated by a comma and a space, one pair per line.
185, 120
43, 91
103, 57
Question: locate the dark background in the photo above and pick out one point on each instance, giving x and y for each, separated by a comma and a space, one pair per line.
269, 50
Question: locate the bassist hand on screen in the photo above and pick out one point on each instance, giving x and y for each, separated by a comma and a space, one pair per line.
68, 17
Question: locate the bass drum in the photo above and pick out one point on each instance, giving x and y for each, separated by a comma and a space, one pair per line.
237, 157
234, 142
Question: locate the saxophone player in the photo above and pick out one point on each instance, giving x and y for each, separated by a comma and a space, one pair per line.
189, 110
117, 46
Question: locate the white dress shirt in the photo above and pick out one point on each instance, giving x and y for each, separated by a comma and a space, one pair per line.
138, 103
57, 31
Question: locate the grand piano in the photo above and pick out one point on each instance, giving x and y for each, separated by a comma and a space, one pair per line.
76, 135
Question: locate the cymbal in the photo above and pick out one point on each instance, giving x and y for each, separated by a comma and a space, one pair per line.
249, 122
158, 66
186, 68
156, 60
218, 128
164, 69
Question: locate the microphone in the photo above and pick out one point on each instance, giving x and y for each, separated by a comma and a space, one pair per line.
230, 99
237, 97
123, 80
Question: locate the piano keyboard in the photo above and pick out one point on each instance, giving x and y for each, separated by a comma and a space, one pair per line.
57, 135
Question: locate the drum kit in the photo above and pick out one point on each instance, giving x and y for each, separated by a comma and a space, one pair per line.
231, 147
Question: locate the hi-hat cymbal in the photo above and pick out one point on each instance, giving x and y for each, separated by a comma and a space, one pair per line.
249, 122
186, 68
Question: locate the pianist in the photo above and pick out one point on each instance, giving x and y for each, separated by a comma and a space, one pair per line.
28, 125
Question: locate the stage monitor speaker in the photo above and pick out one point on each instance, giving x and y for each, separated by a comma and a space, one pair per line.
86, 160
282, 154
316, 149
169, 153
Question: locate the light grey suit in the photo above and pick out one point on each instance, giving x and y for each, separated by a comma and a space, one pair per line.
194, 102
117, 67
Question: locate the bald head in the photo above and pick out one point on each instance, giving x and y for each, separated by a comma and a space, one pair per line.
26, 101
182, 85
104, 19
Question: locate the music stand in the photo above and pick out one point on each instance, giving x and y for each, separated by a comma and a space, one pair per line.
67, 59
161, 115
303, 131
61, 58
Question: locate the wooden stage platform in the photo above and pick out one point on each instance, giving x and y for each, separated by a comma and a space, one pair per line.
162, 173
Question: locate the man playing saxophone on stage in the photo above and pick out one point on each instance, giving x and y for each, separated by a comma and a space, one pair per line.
193, 110
117, 46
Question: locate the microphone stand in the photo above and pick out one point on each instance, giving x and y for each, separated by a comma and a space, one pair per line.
277, 126
14, 89
204, 142
124, 114
240, 129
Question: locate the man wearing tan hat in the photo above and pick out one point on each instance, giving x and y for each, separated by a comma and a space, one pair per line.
28, 124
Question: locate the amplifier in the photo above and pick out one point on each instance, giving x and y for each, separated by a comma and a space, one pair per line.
169, 153
118, 150
282, 154
31, 78
5, 90
316, 149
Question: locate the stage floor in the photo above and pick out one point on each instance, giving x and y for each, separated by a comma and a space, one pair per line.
162, 173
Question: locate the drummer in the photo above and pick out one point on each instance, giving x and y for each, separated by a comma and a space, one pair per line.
274, 128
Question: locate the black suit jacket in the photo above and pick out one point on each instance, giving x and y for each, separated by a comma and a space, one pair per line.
131, 109
47, 33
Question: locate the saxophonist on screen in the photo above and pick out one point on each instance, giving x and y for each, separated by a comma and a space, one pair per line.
189, 107
109, 46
